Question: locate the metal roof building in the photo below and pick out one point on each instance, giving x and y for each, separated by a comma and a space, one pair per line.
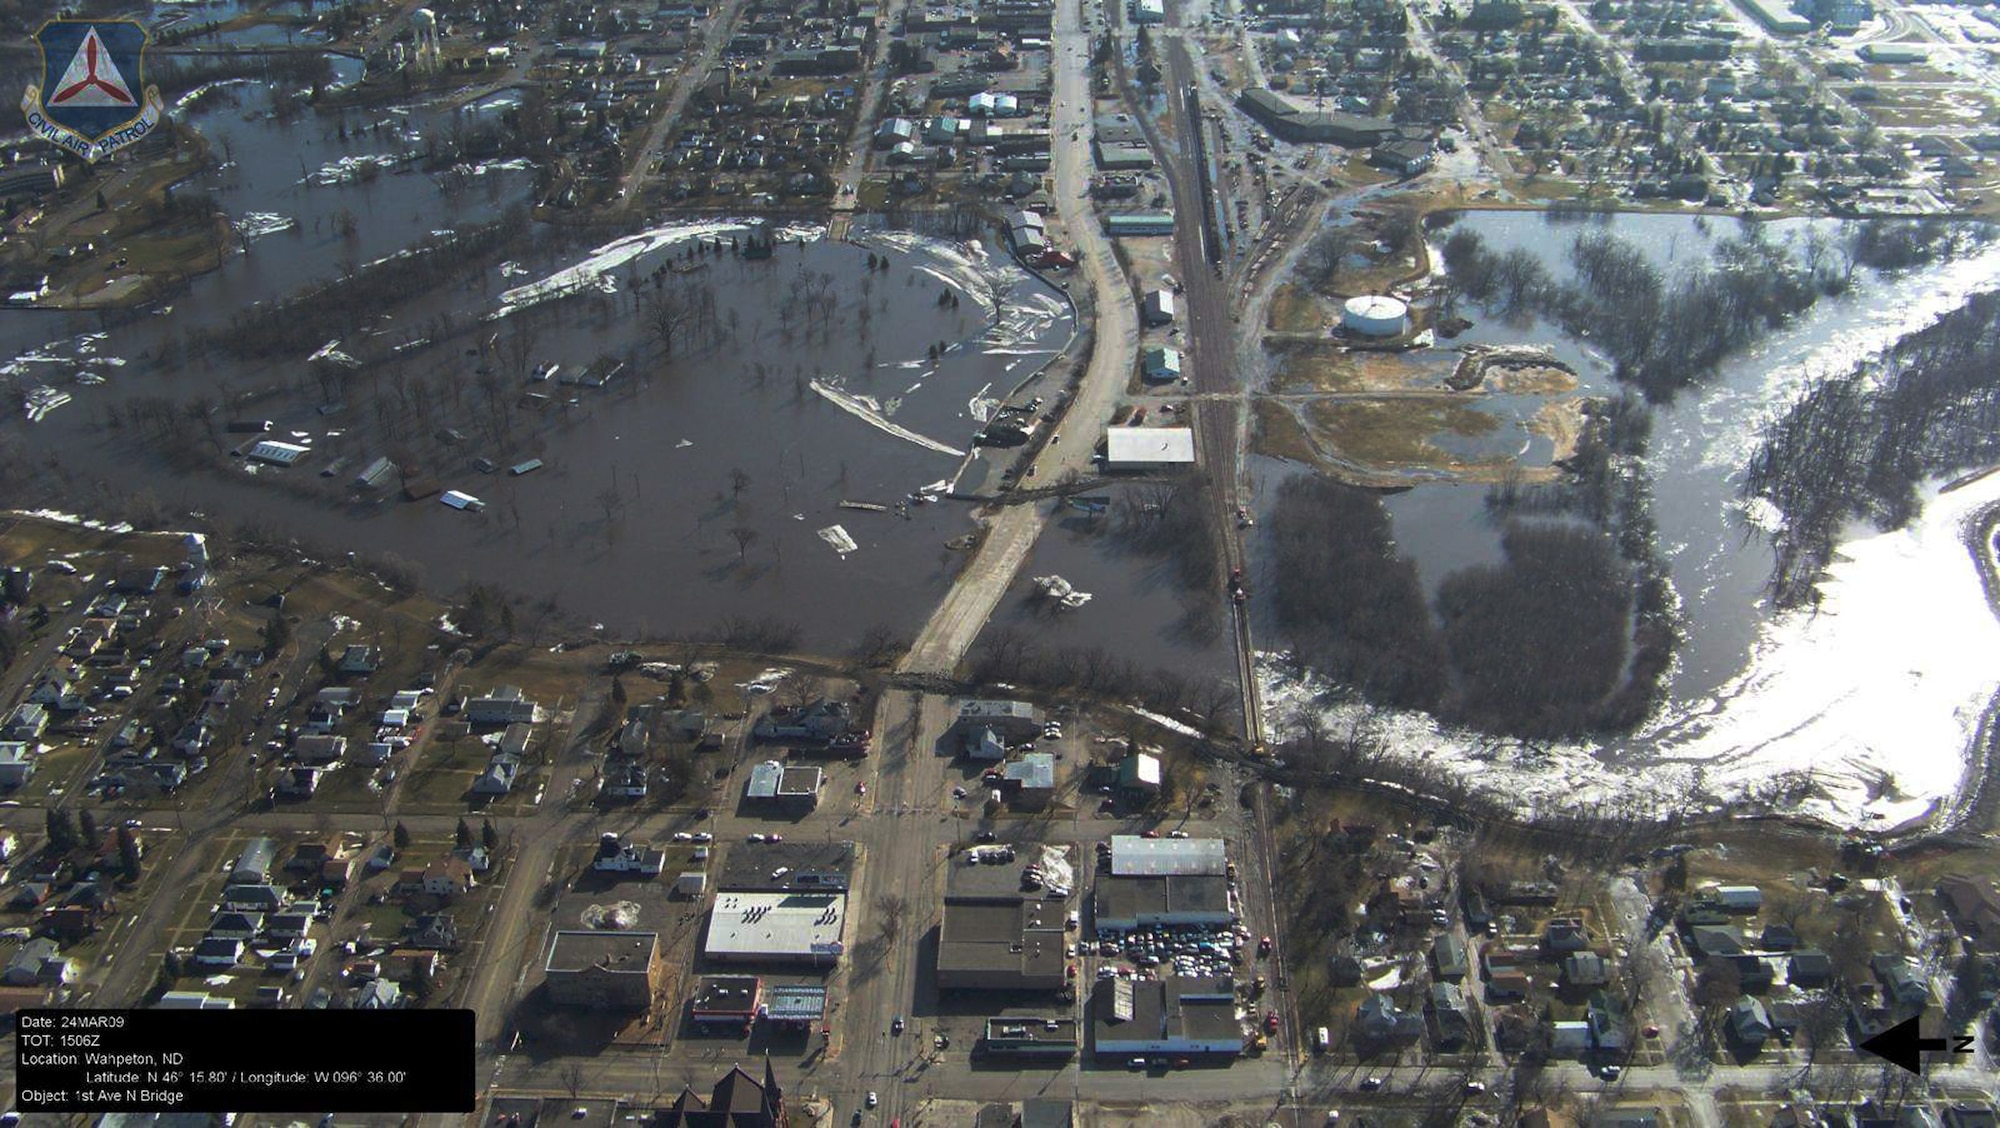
764, 780
1036, 770
800, 1003
277, 453
1133, 856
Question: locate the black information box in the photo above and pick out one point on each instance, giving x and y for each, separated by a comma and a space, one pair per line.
244, 1061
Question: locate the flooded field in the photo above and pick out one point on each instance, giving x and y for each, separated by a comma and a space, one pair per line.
694, 488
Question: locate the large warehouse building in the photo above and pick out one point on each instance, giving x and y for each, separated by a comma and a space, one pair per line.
1164, 881
1133, 856
1172, 1016
1126, 903
998, 932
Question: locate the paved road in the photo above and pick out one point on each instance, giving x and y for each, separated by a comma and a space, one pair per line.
721, 25
958, 620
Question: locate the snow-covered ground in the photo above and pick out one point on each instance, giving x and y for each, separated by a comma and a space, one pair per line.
1867, 705
594, 270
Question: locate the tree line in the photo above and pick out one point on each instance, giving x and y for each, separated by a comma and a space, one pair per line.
1567, 635
305, 321
1665, 334
1860, 445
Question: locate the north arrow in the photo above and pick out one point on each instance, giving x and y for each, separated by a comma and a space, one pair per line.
1901, 1045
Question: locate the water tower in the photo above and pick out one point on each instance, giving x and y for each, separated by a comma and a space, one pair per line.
424, 32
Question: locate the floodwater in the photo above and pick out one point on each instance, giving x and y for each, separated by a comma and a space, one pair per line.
1138, 610
1701, 442
692, 491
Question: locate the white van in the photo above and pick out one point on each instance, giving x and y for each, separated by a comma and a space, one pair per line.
1322, 1040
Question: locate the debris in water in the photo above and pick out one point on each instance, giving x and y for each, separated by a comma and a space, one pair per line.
838, 538
1061, 591
43, 400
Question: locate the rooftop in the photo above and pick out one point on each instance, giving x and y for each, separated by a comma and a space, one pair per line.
1133, 856
613, 951
1149, 444
1129, 898
778, 924
754, 866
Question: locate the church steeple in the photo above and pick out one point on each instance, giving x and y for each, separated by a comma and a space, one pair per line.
774, 1097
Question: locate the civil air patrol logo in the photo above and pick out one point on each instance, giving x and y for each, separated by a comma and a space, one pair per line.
89, 100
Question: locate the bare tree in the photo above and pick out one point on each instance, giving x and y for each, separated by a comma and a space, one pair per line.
668, 313
745, 536
890, 909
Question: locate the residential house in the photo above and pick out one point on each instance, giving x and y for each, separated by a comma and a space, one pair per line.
233, 924
293, 924
1584, 971
26, 722
379, 994
1779, 938
1608, 1022
497, 778
506, 705
70, 923
263, 898
1974, 903
1715, 940
445, 877
312, 854
1902, 982
1448, 956
1810, 968
318, 749
410, 965
1450, 1015
1566, 934
1378, 1020
299, 782
359, 659
435, 931
1569, 1039
1754, 973
1749, 1022
624, 779
1507, 986
218, 952
55, 689
38, 963
17, 764
1970, 1116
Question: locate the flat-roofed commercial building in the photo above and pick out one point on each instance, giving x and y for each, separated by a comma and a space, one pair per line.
613, 970
1133, 856
1030, 1036
1164, 1017
1126, 903
778, 928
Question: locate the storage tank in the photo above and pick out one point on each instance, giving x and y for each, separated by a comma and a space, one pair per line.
1375, 315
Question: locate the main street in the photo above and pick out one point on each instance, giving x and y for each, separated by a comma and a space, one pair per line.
1115, 322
